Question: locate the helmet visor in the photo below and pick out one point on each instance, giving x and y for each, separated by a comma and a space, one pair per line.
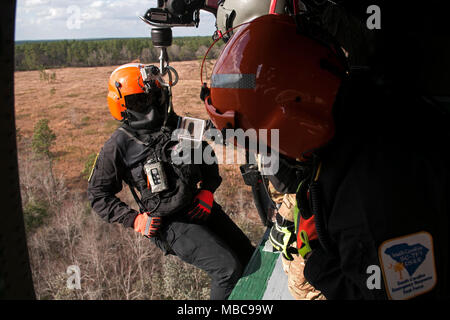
140, 102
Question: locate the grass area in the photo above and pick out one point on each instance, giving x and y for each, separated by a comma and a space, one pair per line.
85, 121
111, 125
116, 263
23, 116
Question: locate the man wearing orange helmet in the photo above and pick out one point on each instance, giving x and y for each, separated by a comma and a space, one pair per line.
368, 158
180, 217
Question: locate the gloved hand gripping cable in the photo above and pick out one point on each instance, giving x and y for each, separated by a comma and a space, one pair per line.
143, 223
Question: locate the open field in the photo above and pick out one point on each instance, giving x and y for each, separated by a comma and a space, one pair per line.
115, 263
75, 104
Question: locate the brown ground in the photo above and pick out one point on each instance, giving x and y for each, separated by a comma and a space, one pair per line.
75, 104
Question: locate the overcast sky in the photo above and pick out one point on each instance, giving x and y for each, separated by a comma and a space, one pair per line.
80, 19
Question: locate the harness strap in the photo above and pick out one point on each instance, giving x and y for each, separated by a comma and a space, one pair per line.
137, 199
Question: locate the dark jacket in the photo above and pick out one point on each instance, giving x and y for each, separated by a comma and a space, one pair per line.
121, 160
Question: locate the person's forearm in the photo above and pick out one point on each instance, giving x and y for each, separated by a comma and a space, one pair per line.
112, 209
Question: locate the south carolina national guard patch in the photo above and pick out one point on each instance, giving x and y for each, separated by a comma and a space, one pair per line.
408, 265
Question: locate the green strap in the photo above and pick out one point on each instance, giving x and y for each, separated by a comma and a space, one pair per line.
296, 210
306, 248
303, 235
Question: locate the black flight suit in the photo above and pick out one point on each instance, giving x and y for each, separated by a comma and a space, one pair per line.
386, 172
217, 246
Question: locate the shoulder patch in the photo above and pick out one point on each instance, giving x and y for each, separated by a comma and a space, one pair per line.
408, 265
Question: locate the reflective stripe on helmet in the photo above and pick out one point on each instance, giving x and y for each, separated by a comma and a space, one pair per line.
233, 81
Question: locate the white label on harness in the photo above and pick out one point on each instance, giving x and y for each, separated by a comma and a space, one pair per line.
408, 265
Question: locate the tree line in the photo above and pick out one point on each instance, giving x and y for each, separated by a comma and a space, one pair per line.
90, 53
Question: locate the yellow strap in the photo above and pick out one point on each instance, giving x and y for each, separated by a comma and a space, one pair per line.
93, 167
303, 251
318, 172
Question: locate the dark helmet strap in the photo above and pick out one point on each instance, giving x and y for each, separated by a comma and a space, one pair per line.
118, 85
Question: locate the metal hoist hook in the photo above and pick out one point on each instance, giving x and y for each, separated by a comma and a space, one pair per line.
172, 74
165, 69
152, 73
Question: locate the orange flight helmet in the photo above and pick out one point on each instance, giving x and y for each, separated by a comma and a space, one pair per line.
270, 76
125, 80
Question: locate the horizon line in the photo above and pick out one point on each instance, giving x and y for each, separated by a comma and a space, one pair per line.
106, 38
